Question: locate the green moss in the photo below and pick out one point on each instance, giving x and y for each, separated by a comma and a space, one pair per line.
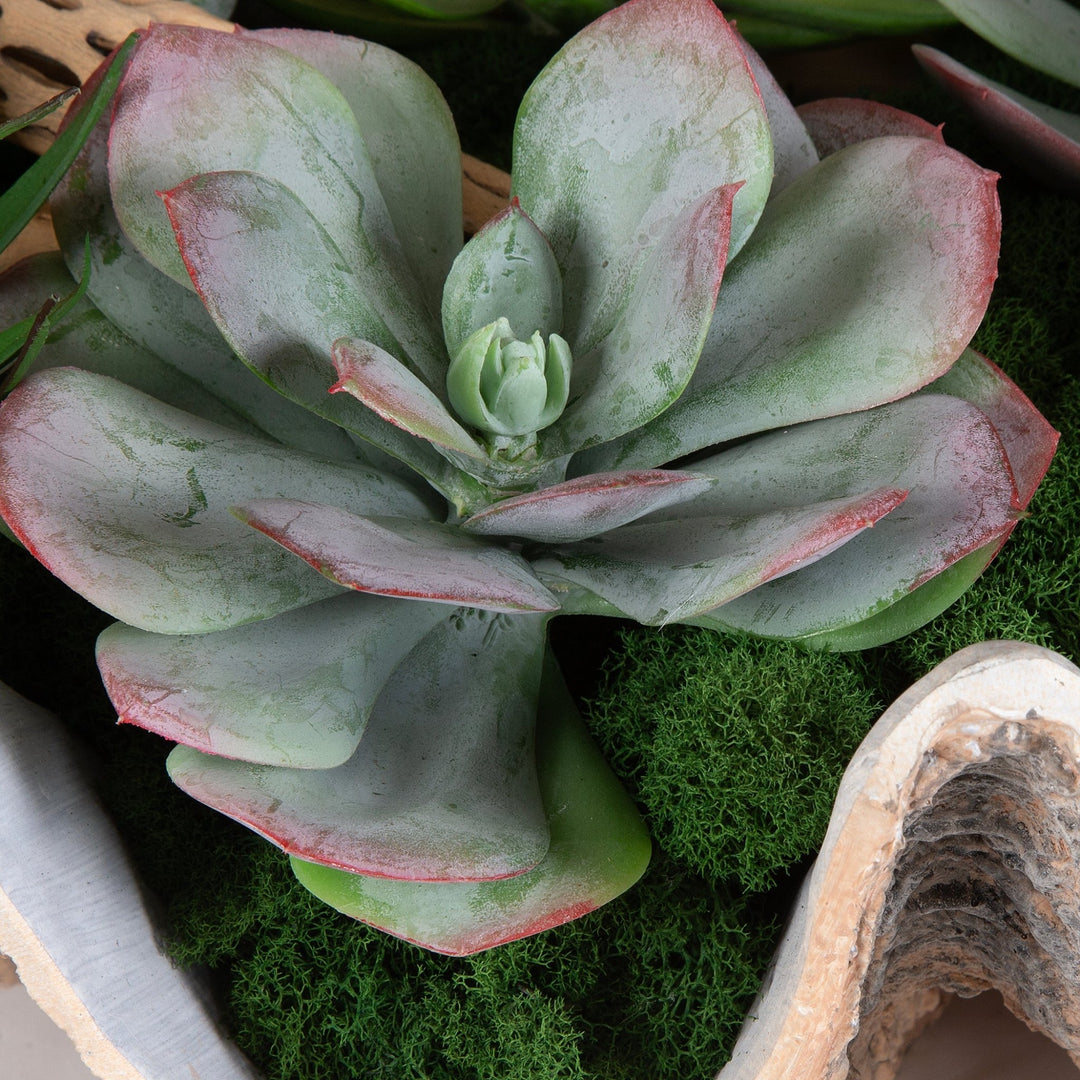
735, 746
315, 996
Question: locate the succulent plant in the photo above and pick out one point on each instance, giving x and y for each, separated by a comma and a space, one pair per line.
335, 472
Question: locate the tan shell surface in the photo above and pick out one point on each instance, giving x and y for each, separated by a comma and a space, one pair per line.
951, 866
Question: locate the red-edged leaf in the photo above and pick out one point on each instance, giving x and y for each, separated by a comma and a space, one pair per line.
643, 364
961, 497
578, 509
1043, 140
281, 291
385, 385
834, 123
647, 109
127, 501
673, 570
443, 785
195, 100
393, 557
409, 134
1028, 438
864, 281
295, 690
599, 848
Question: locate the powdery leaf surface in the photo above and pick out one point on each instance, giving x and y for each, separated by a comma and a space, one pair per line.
598, 849
443, 785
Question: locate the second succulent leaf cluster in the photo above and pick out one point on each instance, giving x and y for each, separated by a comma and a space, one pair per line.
335, 472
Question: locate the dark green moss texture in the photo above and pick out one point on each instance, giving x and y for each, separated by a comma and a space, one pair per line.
733, 748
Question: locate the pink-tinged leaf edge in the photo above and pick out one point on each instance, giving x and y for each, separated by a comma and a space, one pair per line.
398, 557
1042, 149
834, 123
389, 389
586, 505
844, 525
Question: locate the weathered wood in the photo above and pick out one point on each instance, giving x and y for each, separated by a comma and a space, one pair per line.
49, 45
951, 866
73, 918
485, 192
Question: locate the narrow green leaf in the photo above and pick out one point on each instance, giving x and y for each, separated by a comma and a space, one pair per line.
13, 337
52, 311
848, 16
9, 127
23, 199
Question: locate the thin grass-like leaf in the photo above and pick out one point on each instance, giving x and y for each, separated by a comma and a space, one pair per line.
23, 199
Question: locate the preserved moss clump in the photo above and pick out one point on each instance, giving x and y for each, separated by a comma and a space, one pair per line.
735, 746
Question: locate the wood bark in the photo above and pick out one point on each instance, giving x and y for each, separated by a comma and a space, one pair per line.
951, 866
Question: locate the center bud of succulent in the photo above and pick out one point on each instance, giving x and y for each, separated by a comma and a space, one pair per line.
507, 387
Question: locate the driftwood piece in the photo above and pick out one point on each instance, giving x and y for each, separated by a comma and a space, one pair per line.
48, 45
951, 866
72, 917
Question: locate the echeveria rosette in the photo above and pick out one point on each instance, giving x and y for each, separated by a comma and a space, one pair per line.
309, 372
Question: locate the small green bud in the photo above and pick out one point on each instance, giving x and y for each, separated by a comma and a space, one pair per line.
507, 387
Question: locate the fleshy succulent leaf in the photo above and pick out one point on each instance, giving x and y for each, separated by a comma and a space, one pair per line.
374, 377
293, 128
601, 164
411, 140
1045, 140
864, 281
293, 691
507, 270
793, 149
578, 509
165, 318
186, 84
1044, 34
87, 339
834, 123
644, 364
137, 518
961, 497
400, 556
443, 785
228, 222
1028, 438
598, 849
907, 614
673, 570
283, 321
509, 389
